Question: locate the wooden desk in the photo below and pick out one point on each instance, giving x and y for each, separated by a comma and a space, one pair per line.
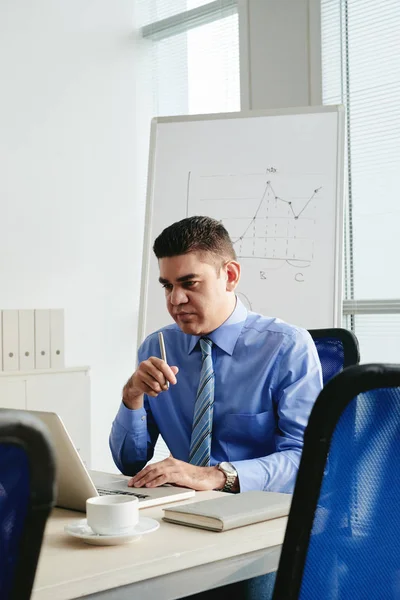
172, 562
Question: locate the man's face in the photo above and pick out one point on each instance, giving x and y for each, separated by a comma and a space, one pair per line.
199, 290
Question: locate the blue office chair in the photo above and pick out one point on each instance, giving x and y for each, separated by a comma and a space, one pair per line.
337, 349
27, 494
348, 547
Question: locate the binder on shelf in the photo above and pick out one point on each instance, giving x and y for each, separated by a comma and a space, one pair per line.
10, 340
1, 341
26, 327
56, 338
42, 338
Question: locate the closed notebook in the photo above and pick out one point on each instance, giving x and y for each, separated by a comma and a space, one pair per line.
230, 511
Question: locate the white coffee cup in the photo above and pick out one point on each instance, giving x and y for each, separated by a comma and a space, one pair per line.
112, 515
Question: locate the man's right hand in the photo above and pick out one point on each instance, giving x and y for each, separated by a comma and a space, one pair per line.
149, 378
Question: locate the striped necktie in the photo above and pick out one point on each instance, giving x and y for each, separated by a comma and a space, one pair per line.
200, 443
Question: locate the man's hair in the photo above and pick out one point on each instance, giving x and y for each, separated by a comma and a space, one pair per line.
194, 234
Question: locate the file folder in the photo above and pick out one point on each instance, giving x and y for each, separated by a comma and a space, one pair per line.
10, 340
26, 340
42, 338
1, 341
57, 338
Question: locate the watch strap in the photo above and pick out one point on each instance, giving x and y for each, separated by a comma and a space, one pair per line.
230, 479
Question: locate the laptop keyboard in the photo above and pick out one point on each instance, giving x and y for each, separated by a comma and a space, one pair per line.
104, 492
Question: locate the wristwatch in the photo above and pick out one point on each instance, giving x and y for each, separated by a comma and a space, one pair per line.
231, 475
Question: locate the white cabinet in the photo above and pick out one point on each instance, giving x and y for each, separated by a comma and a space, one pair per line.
65, 392
12, 393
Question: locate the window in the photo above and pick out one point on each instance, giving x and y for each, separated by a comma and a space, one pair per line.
361, 69
188, 63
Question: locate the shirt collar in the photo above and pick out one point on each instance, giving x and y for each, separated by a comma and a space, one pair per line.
226, 335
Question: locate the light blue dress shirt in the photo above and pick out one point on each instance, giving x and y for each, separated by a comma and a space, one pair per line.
267, 378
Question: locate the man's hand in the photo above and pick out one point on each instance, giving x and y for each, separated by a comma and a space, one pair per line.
150, 378
171, 470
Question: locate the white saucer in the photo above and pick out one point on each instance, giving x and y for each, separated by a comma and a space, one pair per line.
80, 529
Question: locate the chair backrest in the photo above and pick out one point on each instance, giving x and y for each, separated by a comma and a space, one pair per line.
349, 545
337, 349
27, 494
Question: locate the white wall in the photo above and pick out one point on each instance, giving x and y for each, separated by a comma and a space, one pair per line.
280, 45
70, 227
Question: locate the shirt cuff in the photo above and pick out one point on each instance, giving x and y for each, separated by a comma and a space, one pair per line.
131, 419
251, 475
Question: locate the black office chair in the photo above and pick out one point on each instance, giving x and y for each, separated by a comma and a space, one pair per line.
349, 547
337, 349
27, 494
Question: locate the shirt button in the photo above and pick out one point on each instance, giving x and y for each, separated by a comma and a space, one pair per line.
143, 418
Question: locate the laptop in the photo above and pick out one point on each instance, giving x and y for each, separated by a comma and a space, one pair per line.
75, 484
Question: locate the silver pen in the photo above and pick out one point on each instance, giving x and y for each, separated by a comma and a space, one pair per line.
162, 351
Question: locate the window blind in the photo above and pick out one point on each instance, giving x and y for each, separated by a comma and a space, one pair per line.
152, 11
361, 69
189, 61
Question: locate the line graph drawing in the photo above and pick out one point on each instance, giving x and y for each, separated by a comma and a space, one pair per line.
267, 217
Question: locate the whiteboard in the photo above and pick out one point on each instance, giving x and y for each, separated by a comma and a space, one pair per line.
275, 180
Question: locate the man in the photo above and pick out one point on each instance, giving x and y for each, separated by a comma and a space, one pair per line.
234, 399
242, 431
